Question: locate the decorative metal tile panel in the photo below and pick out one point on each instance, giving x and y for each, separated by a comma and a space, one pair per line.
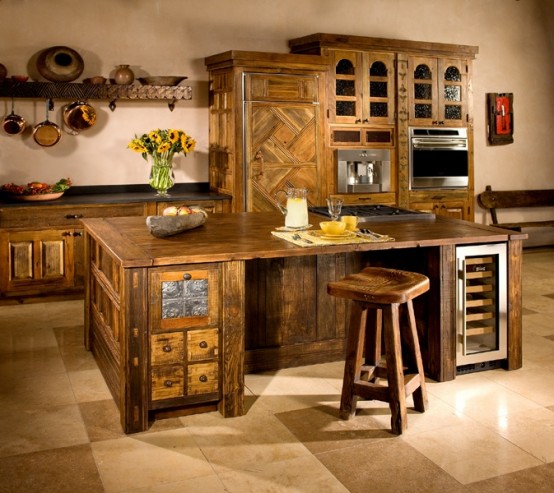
187, 298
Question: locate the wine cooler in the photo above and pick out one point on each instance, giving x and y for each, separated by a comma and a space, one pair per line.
481, 321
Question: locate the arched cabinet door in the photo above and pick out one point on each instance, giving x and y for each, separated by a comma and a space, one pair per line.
363, 89
438, 91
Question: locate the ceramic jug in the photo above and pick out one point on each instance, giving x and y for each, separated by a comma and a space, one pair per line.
296, 208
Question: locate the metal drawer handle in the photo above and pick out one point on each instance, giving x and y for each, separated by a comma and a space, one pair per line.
73, 216
168, 383
203, 344
203, 378
187, 276
167, 348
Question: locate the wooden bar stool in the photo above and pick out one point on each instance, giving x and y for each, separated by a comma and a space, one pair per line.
377, 295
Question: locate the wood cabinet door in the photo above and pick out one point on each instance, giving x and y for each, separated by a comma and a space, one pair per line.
379, 90
282, 150
438, 91
35, 261
455, 209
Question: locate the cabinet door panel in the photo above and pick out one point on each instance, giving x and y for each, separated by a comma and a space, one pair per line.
36, 260
282, 151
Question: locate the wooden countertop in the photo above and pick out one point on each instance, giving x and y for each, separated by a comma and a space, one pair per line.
244, 236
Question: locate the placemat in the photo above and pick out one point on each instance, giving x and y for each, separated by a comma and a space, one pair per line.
308, 239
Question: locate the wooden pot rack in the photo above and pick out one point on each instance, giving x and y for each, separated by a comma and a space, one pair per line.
78, 91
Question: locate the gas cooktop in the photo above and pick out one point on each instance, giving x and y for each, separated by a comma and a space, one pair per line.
375, 212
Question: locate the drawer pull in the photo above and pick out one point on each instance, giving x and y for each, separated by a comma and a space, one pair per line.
73, 216
203, 344
168, 383
78, 233
203, 378
187, 276
167, 348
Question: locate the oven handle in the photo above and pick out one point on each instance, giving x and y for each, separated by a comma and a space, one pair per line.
442, 144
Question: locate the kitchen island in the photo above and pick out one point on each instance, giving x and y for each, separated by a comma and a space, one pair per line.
175, 323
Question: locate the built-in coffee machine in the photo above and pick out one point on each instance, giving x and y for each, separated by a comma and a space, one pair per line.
363, 170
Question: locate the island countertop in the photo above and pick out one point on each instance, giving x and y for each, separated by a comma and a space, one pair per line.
248, 235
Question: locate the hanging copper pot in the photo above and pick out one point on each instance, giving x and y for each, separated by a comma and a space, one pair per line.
79, 116
13, 124
47, 133
60, 64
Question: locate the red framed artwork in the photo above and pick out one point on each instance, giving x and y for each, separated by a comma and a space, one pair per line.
500, 118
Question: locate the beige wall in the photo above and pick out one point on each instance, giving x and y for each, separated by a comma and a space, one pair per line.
172, 37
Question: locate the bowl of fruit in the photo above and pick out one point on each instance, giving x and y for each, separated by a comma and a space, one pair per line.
176, 219
36, 190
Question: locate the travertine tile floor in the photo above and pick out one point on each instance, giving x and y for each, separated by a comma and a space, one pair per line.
59, 429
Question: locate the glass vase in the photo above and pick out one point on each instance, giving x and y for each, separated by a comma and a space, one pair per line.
161, 174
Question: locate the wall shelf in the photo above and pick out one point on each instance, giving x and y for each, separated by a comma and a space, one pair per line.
80, 91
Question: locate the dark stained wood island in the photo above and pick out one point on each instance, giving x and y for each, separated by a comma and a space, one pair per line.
237, 299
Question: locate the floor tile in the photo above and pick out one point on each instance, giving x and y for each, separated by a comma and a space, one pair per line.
238, 443
58, 470
470, 452
149, 461
299, 475
387, 466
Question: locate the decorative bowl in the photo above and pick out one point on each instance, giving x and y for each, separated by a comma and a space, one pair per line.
97, 79
162, 80
39, 197
20, 78
332, 228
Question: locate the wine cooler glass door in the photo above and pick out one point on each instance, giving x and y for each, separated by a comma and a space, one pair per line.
482, 300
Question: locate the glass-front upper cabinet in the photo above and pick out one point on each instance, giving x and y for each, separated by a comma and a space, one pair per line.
364, 88
438, 91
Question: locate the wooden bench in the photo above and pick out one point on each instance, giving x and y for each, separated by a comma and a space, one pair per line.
516, 199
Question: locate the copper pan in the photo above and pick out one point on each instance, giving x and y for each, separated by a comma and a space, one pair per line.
13, 124
47, 133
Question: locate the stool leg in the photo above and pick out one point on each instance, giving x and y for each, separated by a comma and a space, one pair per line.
372, 352
395, 373
421, 401
353, 361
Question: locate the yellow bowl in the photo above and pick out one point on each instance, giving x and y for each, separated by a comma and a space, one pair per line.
332, 227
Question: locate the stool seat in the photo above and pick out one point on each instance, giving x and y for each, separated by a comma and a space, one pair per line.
380, 285
377, 296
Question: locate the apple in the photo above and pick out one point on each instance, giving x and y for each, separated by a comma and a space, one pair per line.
184, 210
170, 211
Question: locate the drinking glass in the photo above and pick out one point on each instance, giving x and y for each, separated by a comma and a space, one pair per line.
334, 206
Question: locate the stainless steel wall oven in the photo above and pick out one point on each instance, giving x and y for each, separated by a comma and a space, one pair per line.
438, 158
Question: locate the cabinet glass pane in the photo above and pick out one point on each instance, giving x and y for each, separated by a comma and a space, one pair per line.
452, 74
423, 111
423, 91
345, 67
378, 89
346, 108
185, 298
379, 109
453, 112
345, 88
378, 69
453, 93
422, 72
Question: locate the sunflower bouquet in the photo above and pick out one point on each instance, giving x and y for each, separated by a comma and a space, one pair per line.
161, 145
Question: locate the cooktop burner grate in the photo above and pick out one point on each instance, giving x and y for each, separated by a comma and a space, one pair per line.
375, 212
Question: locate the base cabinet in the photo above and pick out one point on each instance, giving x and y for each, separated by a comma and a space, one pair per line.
37, 260
42, 247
